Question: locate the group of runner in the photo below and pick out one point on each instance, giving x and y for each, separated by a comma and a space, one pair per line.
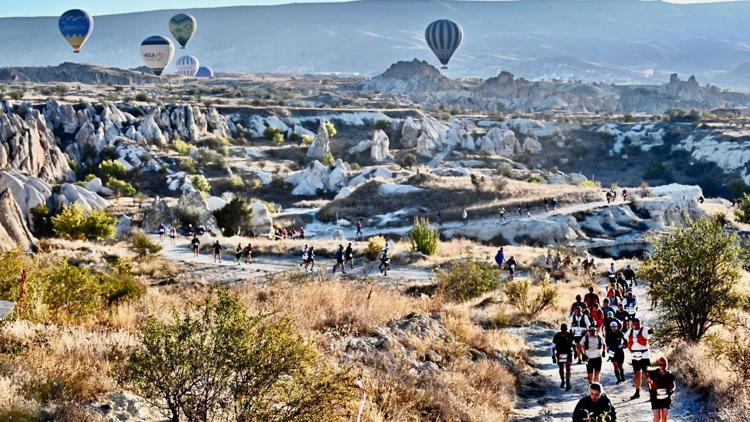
599, 329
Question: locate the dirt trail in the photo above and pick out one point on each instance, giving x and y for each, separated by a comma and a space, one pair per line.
228, 271
556, 404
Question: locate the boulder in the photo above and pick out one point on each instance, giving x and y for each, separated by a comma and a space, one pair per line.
68, 193
151, 131
13, 228
193, 202
500, 142
124, 227
122, 406
410, 133
321, 145
344, 192
27, 191
215, 203
158, 213
532, 146
360, 147
380, 150
338, 177
262, 221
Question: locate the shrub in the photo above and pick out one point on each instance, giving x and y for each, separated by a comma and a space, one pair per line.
121, 188
467, 279
235, 217
75, 222
328, 159
142, 245
109, 169
505, 169
278, 139
743, 212
187, 216
182, 147
188, 165
407, 160
424, 237
143, 97
211, 159
270, 132
590, 184
535, 179
645, 189
330, 129
200, 183
217, 362
236, 182
693, 274
308, 139
519, 295
375, 245
383, 124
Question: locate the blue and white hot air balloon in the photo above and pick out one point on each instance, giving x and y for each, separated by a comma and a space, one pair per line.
76, 26
205, 72
443, 37
157, 52
187, 65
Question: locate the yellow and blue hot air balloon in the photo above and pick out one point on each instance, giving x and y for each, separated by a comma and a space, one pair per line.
76, 26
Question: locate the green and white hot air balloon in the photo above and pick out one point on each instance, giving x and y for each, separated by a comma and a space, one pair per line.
182, 26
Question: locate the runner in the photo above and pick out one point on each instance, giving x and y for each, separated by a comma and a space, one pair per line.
301, 232
625, 195
161, 232
359, 228
577, 304
511, 264
638, 337
502, 213
579, 324
629, 275
661, 387
546, 205
238, 253
591, 298
349, 256
597, 316
623, 316
607, 308
217, 252
385, 261
595, 407
310, 259
562, 354
196, 244
304, 256
439, 218
631, 304
339, 260
247, 253
172, 235
500, 257
465, 216
615, 342
591, 347
554, 204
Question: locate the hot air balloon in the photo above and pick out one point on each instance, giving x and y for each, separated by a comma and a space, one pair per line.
444, 36
205, 72
187, 66
76, 26
182, 26
157, 52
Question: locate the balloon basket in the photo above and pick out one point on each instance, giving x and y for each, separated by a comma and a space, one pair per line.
444, 67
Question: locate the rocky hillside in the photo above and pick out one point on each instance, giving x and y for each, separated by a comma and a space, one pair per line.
77, 73
409, 78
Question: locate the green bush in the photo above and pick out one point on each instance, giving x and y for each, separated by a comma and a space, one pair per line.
206, 158
188, 216
216, 361
407, 160
375, 245
424, 237
271, 132
109, 169
383, 124
182, 147
330, 129
142, 245
188, 165
520, 297
467, 279
278, 139
328, 159
308, 139
694, 280
77, 223
200, 183
235, 217
743, 212
535, 179
121, 188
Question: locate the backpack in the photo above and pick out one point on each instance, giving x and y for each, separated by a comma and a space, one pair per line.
643, 341
586, 341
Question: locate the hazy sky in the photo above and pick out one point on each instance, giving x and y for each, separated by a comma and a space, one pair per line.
105, 7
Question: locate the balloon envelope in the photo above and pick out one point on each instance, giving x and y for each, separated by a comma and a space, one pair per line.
76, 26
443, 37
187, 66
157, 53
182, 26
205, 72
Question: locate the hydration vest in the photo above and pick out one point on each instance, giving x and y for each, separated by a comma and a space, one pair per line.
643, 341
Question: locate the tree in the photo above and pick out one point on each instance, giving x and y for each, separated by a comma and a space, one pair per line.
328, 159
424, 237
121, 188
142, 245
77, 223
216, 361
743, 213
693, 275
235, 217
200, 183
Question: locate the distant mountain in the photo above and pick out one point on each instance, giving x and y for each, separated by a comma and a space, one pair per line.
604, 40
72, 72
410, 77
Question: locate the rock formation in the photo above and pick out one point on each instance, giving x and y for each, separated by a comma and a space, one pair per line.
380, 149
409, 78
13, 227
409, 133
321, 145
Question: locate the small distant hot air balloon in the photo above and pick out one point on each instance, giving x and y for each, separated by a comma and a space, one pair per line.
205, 72
182, 26
76, 26
187, 65
157, 53
443, 37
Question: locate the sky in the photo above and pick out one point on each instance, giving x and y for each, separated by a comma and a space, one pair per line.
107, 7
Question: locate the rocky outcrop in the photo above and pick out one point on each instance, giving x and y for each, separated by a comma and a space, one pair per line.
321, 145
122, 406
158, 213
409, 133
68, 193
409, 78
77, 73
194, 203
380, 149
319, 178
500, 142
27, 191
28, 144
13, 227
261, 221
